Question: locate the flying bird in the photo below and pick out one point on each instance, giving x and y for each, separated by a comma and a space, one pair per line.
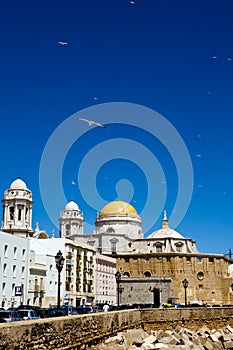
62, 43
92, 122
73, 183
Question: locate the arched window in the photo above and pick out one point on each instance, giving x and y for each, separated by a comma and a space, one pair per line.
114, 245
126, 274
147, 274
179, 247
11, 213
67, 229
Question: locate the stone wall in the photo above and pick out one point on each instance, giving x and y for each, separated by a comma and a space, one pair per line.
83, 331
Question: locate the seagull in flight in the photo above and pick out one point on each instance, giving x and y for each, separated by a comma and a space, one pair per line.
73, 183
62, 43
91, 122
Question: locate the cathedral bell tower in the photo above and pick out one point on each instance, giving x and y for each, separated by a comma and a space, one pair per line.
17, 209
71, 221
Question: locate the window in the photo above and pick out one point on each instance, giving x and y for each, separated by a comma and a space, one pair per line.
200, 275
113, 247
147, 274
4, 270
5, 250
23, 271
199, 260
23, 254
211, 260
12, 213
126, 274
147, 260
13, 289
200, 286
179, 247
67, 229
159, 249
26, 214
15, 252
20, 208
14, 271
4, 288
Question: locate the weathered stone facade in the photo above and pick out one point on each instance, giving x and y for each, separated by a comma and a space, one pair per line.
207, 275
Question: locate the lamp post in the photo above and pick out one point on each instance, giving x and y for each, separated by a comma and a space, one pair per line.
59, 260
118, 281
185, 285
121, 290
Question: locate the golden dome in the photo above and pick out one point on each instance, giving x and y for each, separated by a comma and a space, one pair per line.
118, 208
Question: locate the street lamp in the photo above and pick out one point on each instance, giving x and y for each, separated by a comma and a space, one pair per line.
118, 281
121, 290
185, 285
59, 260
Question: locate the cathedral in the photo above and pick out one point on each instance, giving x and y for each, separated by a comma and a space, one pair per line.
165, 261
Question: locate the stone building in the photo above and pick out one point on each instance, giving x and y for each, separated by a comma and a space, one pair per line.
159, 262
164, 260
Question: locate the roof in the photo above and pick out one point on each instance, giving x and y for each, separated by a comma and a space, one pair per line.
165, 233
72, 206
18, 184
118, 208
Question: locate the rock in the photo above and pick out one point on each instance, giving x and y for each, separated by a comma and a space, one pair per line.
179, 339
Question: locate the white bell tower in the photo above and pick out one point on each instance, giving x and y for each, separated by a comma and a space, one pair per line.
71, 221
17, 209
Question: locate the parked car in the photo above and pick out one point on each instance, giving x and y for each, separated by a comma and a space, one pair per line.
10, 316
69, 310
47, 312
29, 314
28, 307
85, 309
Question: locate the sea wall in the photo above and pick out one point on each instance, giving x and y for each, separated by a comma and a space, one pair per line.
83, 331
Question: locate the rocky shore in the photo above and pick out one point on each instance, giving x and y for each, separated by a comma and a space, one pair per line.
177, 339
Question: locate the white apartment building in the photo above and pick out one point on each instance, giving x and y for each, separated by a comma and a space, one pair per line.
14, 257
105, 279
77, 276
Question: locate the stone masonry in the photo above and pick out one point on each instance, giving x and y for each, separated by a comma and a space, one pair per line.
85, 331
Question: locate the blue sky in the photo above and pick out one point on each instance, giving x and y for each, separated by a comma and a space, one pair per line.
171, 57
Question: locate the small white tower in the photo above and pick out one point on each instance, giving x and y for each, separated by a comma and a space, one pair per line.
17, 209
71, 221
